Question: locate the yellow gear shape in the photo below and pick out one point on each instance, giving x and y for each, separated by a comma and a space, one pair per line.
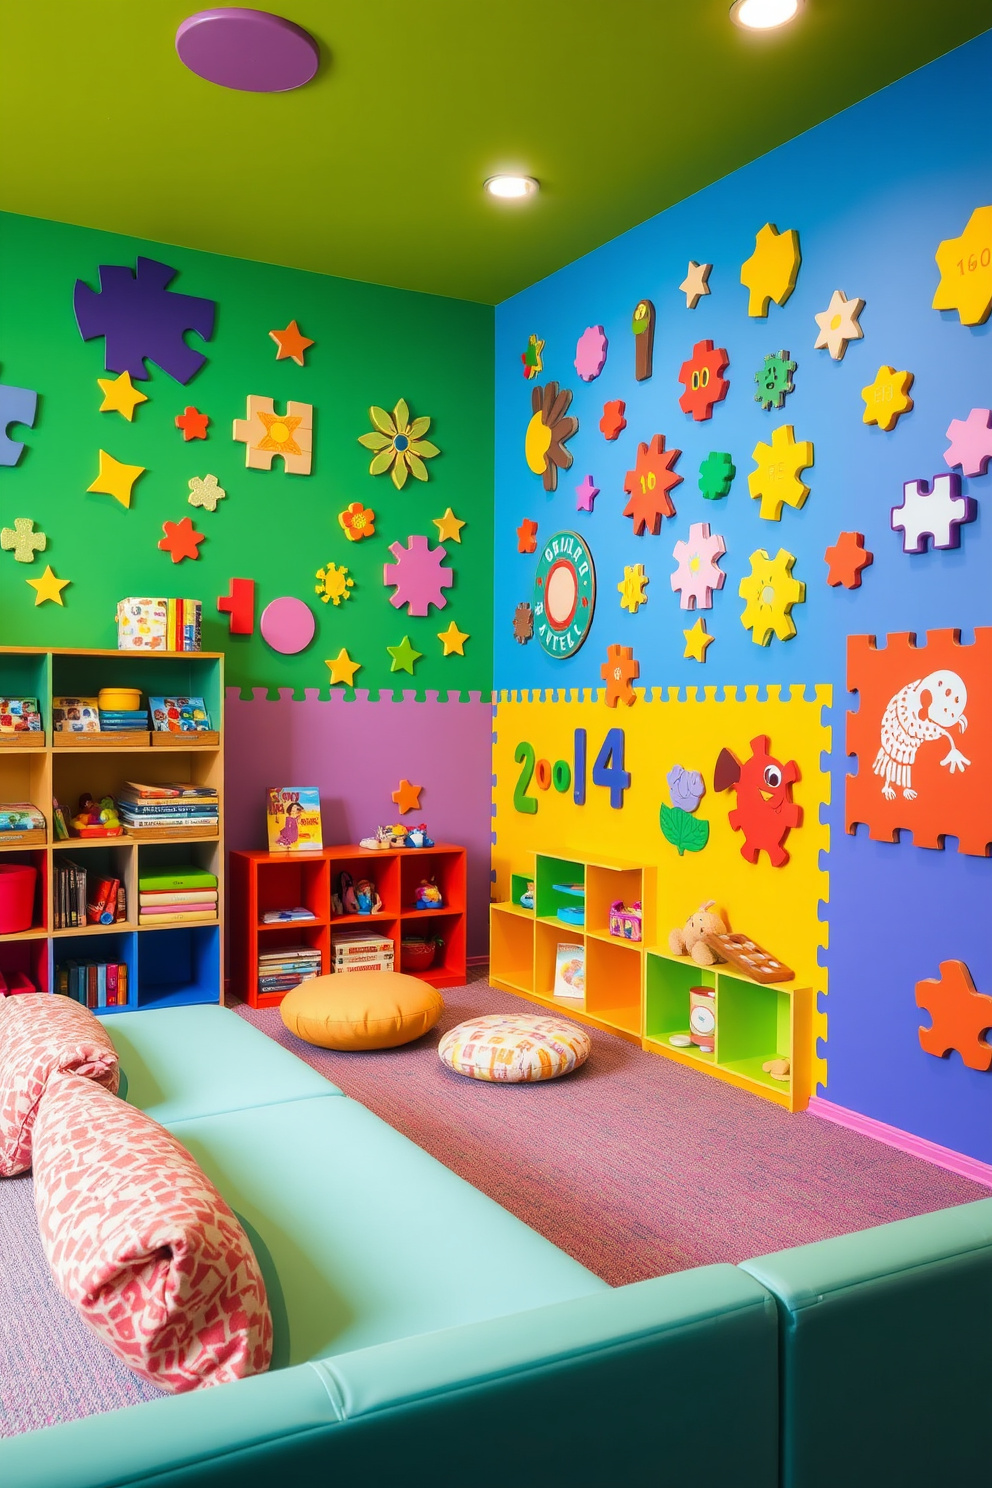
770, 592
965, 265
776, 479
631, 588
335, 585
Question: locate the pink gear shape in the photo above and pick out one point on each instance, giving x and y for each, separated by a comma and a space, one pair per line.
971, 442
590, 353
697, 574
419, 575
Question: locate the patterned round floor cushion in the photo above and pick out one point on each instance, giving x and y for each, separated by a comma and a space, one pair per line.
515, 1047
142, 1244
361, 1010
40, 1035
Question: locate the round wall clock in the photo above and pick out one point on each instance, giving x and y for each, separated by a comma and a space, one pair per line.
564, 594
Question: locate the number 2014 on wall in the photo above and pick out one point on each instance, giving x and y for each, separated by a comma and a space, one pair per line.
607, 771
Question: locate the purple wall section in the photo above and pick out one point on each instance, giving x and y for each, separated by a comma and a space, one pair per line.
357, 753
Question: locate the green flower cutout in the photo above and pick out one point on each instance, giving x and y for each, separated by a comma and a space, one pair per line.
398, 445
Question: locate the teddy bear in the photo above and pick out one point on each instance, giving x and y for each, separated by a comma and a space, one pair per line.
689, 940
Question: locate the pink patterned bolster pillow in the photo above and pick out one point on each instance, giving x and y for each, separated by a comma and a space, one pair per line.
143, 1245
39, 1035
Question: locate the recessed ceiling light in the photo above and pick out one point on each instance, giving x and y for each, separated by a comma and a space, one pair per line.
511, 188
763, 15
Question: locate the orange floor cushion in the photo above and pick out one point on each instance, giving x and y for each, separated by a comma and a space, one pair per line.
361, 1010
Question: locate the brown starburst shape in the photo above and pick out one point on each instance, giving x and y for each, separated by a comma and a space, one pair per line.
550, 426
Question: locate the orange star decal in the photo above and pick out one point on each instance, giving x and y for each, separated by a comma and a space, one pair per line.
291, 343
407, 797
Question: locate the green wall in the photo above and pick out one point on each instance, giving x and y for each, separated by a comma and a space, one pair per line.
373, 345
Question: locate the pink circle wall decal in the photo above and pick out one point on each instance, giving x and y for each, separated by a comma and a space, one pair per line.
250, 50
288, 625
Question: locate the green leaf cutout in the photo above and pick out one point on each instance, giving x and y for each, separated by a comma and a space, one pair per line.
686, 833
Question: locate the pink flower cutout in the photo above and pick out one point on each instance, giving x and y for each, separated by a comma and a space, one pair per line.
698, 573
590, 353
971, 442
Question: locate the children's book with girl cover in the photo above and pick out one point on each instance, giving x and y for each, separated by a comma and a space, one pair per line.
293, 818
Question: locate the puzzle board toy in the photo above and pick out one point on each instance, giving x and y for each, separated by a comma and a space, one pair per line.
266, 434
918, 770
936, 512
765, 811
17, 406
961, 1017
141, 319
757, 963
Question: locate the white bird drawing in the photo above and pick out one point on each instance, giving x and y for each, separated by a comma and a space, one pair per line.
921, 710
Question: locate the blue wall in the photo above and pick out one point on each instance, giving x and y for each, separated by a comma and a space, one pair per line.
871, 192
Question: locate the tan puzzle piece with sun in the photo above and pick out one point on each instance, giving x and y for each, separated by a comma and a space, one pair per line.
266, 434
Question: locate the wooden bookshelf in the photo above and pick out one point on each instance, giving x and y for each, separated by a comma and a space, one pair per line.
168, 966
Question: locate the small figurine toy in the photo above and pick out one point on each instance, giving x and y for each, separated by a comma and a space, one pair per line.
367, 900
417, 837
92, 820
428, 895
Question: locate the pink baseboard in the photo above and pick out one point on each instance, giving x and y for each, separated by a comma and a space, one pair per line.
944, 1157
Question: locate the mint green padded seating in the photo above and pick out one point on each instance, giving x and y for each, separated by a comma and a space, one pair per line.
887, 1354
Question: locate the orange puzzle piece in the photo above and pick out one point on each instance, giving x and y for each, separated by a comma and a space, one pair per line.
618, 671
959, 1015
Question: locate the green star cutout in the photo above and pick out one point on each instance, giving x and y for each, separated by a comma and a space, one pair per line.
404, 656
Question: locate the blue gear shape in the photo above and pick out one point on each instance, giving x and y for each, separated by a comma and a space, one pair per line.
774, 381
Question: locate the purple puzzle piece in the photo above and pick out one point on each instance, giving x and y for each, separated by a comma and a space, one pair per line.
17, 406
937, 511
140, 318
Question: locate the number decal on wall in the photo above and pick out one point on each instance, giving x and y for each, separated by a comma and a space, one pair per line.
579, 773
607, 771
524, 755
608, 767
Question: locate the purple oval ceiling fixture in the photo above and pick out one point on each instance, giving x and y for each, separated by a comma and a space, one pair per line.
250, 50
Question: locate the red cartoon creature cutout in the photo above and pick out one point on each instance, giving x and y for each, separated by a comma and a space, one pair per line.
765, 811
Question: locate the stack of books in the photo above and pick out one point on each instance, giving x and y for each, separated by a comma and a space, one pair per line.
358, 951
183, 624
118, 721
96, 984
159, 624
281, 970
180, 894
158, 812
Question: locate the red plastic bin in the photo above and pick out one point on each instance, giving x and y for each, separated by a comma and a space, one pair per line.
17, 885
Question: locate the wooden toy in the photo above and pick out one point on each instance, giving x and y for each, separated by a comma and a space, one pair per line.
527, 536
701, 377
48, 587
765, 811
287, 625
959, 1016
419, 575
531, 358
618, 671
696, 641
776, 477
838, 324
716, 475
696, 283
335, 584
139, 318
564, 594
887, 398
770, 591
585, 495
631, 587
779, 1069
648, 485
239, 606
205, 492
523, 623
342, 668
120, 395
550, 426
291, 343
914, 704
193, 424
613, 423
936, 512
590, 353
846, 559
698, 573
406, 797
357, 521
399, 444
760, 965
971, 442
449, 527
965, 265
626, 920
181, 540
22, 540
642, 326
774, 380
691, 940
453, 640
116, 479
404, 656
772, 270
266, 434
17, 406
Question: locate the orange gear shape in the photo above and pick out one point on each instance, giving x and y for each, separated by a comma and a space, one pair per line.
648, 485
702, 380
618, 671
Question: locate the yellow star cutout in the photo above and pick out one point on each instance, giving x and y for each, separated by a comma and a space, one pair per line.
342, 668
773, 268
838, 324
776, 479
48, 587
120, 395
887, 398
965, 265
453, 640
696, 283
696, 641
116, 479
449, 527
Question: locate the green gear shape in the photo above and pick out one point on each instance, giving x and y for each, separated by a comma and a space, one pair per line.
774, 381
716, 475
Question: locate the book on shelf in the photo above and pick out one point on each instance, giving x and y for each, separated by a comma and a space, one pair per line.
189, 916
292, 818
95, 984
276, 916
570, 971
151, 897
19, 715
76, 715
163, 810
123, 723
176, 876
59, 825
179, 715
136, 790
69, 894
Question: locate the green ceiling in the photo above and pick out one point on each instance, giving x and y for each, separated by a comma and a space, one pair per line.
373, 171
